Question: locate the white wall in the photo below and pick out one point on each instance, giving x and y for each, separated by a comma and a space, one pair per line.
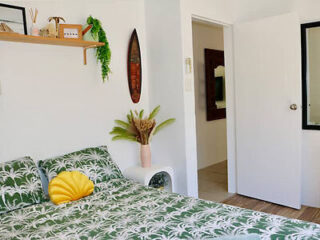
211, 135
166, 86
52, 104
253, 9
309, 10
311, 168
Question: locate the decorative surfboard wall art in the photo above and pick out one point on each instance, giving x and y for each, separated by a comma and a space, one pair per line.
134, 67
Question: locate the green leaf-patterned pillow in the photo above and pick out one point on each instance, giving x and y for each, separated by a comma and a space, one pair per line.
20, 184
96, 163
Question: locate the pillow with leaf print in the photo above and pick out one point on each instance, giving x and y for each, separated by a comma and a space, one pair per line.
20, 184
95, 163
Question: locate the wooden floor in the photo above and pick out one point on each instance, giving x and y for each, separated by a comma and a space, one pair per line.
213, 186
309, 214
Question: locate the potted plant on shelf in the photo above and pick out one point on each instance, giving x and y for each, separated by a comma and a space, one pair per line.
93, 31
140, 129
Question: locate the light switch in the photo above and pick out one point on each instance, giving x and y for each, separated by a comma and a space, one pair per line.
188, 62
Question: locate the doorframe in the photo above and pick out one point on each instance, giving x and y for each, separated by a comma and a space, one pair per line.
230, 98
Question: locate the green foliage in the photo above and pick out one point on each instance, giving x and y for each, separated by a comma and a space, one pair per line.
118, 130
103, 53
141, 114
122, 123
122, 137
163, 125
129, 118
154, 113
122, 133
131, 130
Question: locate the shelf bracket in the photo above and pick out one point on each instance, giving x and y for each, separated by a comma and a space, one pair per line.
85, 53
85, 56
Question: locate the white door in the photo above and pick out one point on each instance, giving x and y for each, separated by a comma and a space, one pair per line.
267, 82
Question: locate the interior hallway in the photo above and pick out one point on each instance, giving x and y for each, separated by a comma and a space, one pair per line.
213, 182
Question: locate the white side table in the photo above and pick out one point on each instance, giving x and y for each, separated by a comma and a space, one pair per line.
144, 175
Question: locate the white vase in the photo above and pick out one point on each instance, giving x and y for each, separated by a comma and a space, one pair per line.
145, 155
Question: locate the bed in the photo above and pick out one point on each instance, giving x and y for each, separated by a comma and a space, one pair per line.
126, 210
122, 209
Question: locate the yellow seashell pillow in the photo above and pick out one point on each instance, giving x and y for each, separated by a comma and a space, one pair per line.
69, 186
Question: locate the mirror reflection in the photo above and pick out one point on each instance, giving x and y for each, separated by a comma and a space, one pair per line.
310, 44
215, 86
313, 75
219, 76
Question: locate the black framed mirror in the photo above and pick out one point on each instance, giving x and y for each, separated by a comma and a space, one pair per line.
310, 41
215, 84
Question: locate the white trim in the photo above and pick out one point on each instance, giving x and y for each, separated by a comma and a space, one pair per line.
210, 21
230, 96
231, 109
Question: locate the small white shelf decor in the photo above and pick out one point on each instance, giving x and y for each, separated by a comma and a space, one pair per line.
144, 175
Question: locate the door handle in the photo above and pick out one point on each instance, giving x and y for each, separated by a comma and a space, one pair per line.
293, 107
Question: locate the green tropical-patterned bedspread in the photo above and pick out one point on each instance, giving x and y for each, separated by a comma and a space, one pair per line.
126, 210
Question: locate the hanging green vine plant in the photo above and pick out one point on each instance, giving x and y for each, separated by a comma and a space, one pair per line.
103, 53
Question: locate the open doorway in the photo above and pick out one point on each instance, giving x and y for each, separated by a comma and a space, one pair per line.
210, 109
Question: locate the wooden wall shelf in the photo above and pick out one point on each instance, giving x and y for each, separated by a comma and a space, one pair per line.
15, 37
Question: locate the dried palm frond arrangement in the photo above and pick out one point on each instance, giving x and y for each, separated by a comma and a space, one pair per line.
138, 128
33, 15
